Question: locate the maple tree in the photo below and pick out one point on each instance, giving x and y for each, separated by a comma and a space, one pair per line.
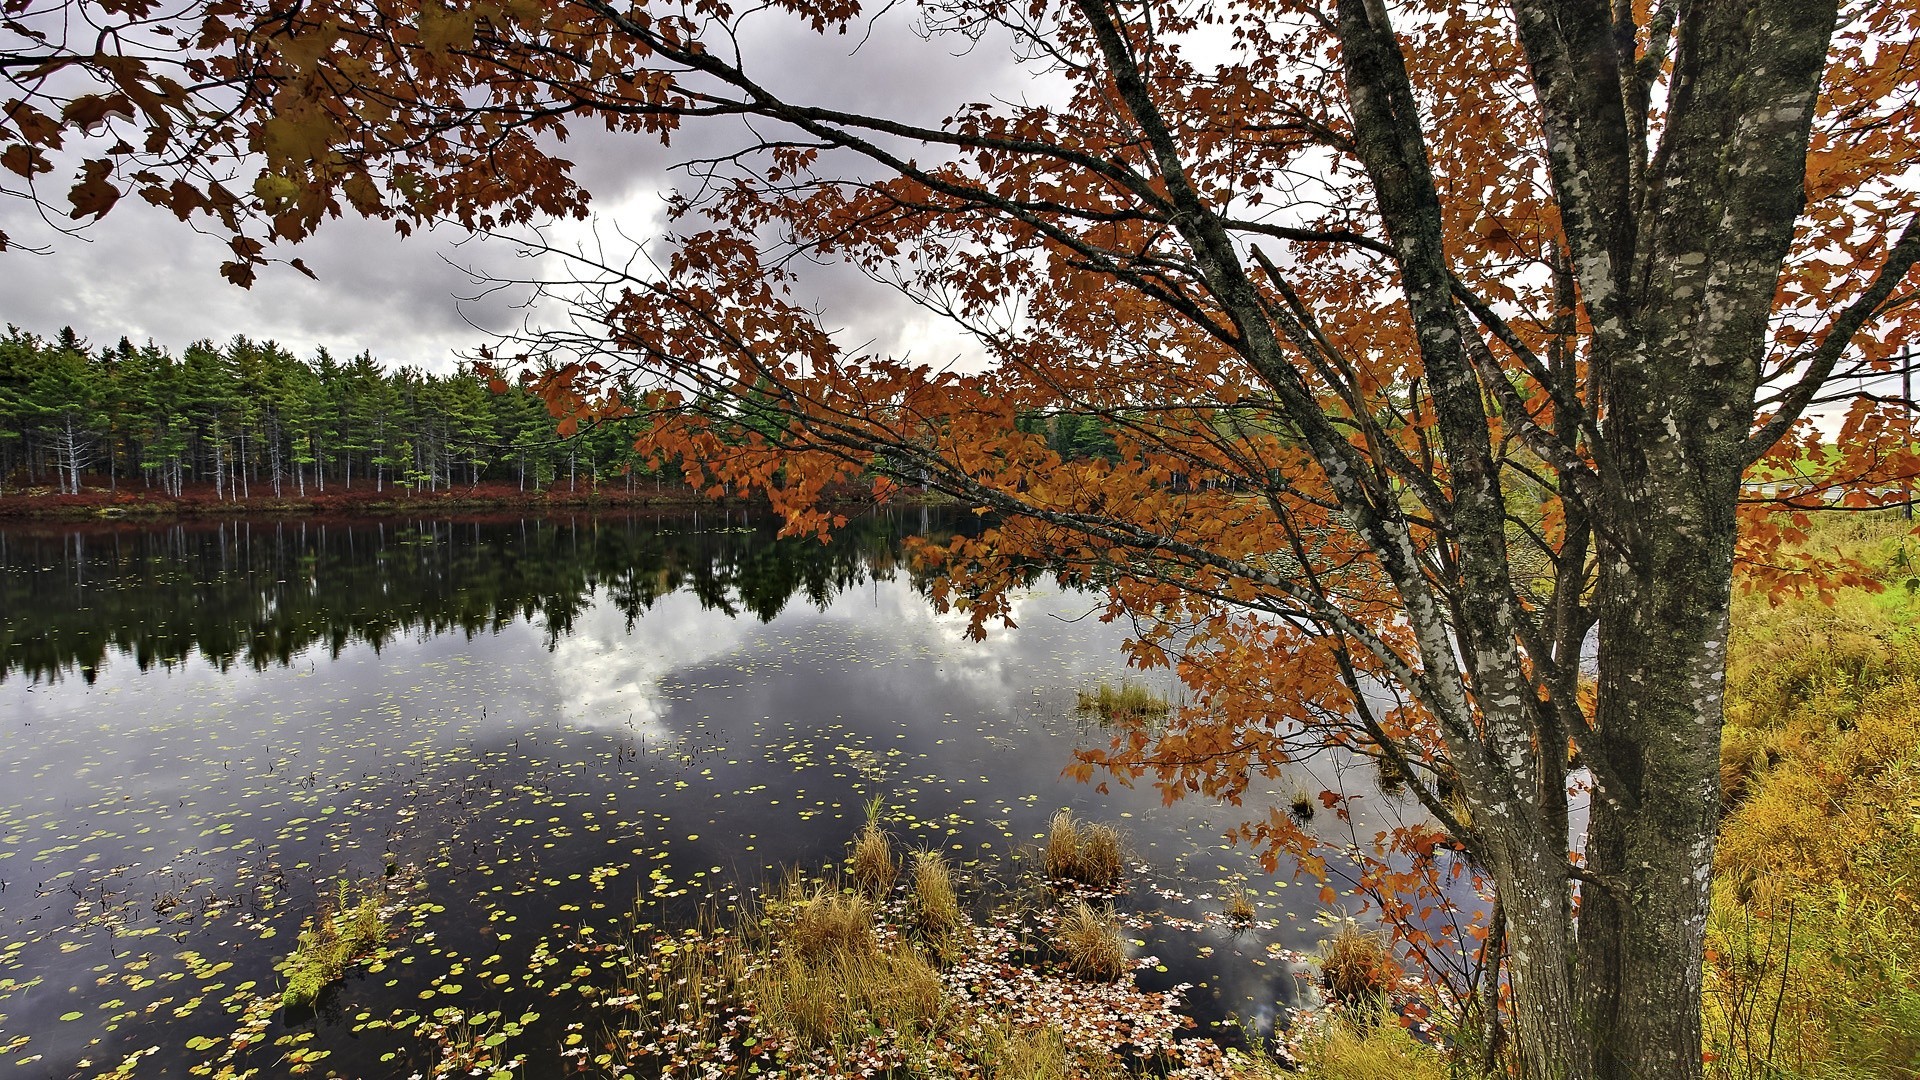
1434, 341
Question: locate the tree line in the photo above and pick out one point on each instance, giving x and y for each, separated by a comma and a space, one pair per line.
250, 417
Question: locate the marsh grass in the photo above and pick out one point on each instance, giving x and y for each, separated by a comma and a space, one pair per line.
1081, 852
1128, 702
1300, 805
1090, 943
348, 928
824, 922
1024, 1053
1369, 1045
816, 980
1389, 776
831, 1000
936, 907
1237, 906
872, 866
1357, 966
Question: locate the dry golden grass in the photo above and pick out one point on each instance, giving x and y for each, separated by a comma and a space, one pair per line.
826, 923
1237, 906
1357, 965
1090, 943
872, 866
1301, 804
1086, 853
1370, 1047
936, 908
836, 998
1024, 1053
828, 980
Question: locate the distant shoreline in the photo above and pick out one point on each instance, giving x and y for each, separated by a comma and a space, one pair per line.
100, 503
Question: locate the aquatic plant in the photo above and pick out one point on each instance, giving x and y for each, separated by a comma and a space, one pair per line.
1128, 702
1237, 906
1081, 852
826, 922
831, 999
1024, 1053
1300, 804
347, 929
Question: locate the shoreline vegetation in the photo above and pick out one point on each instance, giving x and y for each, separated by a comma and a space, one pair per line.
1813, 951
96, 501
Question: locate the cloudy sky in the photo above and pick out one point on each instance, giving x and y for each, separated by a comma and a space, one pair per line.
142, 274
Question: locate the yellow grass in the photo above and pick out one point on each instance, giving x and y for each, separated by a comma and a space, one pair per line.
1127, 702
1238, 906
1090, 943
1357, 965
828, 922
1085, 853
872, 866
936, 908
1370, 1047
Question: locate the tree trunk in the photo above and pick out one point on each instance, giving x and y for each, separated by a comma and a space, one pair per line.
219, 467
1664, 611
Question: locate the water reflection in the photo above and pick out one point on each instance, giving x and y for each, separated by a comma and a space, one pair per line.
263, 593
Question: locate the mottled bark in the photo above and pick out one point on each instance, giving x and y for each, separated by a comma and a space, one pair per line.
1676, 258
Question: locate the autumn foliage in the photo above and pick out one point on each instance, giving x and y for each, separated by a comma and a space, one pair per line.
1434, 341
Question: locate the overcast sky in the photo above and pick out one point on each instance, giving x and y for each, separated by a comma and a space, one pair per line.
143, 274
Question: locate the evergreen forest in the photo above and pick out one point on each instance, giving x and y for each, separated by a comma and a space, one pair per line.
250, 418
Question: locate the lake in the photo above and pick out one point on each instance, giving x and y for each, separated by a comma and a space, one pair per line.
539, 732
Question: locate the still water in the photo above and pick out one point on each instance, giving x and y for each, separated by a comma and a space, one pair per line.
534, 728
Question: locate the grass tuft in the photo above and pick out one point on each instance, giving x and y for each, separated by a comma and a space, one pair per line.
872, 866
936, 908
1025, 1053
1090, 943
1358, 966
824, 922
835, 999
1129, 702
1300, 805
1238, 906
1085, 853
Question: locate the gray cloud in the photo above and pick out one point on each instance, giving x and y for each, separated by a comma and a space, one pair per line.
142, 274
